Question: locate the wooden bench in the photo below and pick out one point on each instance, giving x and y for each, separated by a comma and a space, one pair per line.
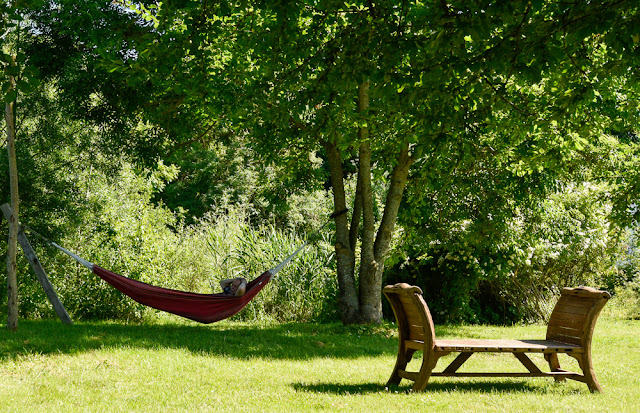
569, 331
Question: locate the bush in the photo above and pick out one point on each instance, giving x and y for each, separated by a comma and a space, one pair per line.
567, 242
626, 302
123, 231
470, 274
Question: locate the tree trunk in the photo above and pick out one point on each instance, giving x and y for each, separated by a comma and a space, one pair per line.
12, 265
344, 248
364, 304
398, 182
372, 267
369, 302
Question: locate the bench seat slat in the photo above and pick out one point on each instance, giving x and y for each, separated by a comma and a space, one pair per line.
575, 301
416, 332
412, 313
560, 333
507, 346
575, 324
572, 309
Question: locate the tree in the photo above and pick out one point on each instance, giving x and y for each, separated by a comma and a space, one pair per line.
66, 41
15, 77
404, 91
12, 284
439, 87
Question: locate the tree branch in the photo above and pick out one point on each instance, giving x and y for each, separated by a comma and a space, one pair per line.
354, 231
398, 182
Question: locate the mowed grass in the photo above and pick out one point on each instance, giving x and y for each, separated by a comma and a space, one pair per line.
178, 366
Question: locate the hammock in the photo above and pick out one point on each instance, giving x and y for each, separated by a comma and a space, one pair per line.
203, 308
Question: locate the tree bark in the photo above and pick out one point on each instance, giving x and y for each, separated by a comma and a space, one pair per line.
372, 268
364, 304
12, 265
369, 301
345, 250
398, 182
368, 266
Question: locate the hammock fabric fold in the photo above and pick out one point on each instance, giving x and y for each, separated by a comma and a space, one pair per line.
203, 308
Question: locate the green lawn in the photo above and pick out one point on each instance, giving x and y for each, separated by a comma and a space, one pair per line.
179, 366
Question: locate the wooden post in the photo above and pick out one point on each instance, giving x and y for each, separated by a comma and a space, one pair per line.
12, 243
40, 272
1, 215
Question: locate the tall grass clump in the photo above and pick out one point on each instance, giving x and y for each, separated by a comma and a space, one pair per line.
303, 291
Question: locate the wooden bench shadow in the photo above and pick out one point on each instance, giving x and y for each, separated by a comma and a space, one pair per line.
367, 388
569, 331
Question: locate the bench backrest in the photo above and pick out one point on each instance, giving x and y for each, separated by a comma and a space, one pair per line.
574, 316
572, 321
412, 313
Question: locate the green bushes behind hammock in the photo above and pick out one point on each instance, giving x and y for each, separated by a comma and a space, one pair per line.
126, 233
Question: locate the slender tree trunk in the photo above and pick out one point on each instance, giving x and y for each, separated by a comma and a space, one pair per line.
345, 252
372, 268
12, 266
369, 285
368, 266
398, 182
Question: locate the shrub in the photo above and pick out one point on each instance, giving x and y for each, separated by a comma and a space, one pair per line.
122, 230
471, 274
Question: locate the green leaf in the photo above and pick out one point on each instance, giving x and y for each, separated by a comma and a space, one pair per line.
6, 58
11, 96
12, 70
26, 87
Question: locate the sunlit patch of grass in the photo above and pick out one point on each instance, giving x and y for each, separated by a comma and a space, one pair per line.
236, 366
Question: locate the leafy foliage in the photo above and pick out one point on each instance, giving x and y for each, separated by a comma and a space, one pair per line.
499, 108
123, 231
473, 272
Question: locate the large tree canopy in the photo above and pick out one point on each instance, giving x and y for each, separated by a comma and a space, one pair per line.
415, 97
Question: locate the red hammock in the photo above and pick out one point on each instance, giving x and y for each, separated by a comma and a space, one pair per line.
203, 308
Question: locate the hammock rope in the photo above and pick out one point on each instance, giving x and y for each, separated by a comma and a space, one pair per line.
203, 308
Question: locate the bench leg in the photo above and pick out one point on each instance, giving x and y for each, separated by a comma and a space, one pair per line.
589, 373
404, 356
554, 363
429, 361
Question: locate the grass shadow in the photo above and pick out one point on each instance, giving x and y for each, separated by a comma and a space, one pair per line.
503, 386
278, 341
506, 386
340, 389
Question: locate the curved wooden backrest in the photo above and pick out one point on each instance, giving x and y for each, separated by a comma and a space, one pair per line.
574, 316
412, 313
